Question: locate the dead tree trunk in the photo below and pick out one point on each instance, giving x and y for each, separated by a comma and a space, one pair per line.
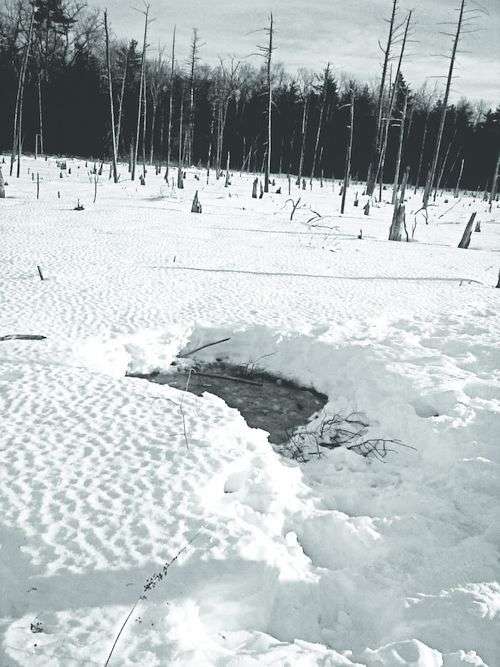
305, 110
170, 108
400, 151
110, 92
268, 53
465, 242
120, 104
195, 46
320, 122
457, 186
494, 184
18, 117
372, 176
432, 174
348, 153
40, 113
422, 150
180, 176
399, 215
141, 92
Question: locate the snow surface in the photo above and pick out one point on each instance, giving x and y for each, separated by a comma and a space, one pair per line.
338, 561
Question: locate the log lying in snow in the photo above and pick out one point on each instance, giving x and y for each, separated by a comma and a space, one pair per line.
22, 337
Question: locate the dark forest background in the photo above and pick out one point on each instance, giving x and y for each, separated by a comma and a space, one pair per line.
66, 92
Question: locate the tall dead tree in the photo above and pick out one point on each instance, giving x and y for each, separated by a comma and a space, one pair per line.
156, 85
170, 107
18, 113
372, 176
193, 59
324, 94
180, 177
432, 172
306, 78
110, 92
400, 150
347, 172
142, 94
122, 95
384, 129
267, 53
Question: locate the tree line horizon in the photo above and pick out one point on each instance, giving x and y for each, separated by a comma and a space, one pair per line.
59, 70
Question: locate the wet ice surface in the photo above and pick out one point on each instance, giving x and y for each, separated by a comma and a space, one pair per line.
267, 402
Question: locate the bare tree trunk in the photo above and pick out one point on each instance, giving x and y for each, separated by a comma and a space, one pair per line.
435, 158
370, 184
348, 154
18, 117
40, 114
400, 151
188, 154
110, 91
180, 178
422, 149
457, 187
305, 110
120, 107
392, 101
144, 123
153, 126
398, 216
141, 88
320, 123
170, 107
269, 104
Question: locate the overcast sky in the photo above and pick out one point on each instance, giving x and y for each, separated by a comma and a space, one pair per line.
312, 32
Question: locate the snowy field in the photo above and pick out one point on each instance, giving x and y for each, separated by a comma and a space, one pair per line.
341, 560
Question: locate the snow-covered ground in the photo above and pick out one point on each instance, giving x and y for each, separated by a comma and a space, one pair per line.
338, 561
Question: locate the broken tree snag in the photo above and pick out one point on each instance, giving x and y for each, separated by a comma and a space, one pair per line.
196, 206
40, 273
2, 185
399, 215
180, 179
498, 283
465, 242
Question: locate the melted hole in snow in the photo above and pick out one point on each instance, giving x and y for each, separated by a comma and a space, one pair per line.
267, 402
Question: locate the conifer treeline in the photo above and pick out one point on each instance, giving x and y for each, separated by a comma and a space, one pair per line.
66, 105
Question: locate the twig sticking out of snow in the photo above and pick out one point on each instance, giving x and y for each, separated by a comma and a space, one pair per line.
148, 586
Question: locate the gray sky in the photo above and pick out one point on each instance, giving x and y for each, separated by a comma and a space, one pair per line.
312, 32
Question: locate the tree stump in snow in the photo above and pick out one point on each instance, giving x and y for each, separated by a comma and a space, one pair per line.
366, 208
465, 242
477, 228
254, 188
2, 186
180, 179
498, 283
196, 205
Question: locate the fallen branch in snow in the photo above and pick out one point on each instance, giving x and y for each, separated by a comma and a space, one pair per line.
341, 431
148, 586
228, 377
202, 347
22, 337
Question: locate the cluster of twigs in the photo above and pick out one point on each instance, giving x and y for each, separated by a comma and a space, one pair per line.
349, 431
